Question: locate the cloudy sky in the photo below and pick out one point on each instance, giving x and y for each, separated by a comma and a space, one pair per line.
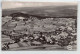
8, 5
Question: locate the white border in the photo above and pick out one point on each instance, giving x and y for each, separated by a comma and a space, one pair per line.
46, 52
44, 0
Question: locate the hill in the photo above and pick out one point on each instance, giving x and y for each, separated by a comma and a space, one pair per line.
51, 11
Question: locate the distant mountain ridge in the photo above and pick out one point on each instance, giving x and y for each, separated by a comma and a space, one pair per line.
52, 11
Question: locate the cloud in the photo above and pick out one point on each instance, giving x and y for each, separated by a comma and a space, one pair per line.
8, 5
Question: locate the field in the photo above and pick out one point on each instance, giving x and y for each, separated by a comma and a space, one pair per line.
25, 46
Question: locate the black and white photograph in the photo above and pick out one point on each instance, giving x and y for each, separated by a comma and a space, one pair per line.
39, 26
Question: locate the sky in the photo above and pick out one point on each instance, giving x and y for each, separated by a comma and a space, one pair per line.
9, 4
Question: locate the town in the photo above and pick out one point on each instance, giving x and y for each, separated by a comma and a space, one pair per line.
24, 30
